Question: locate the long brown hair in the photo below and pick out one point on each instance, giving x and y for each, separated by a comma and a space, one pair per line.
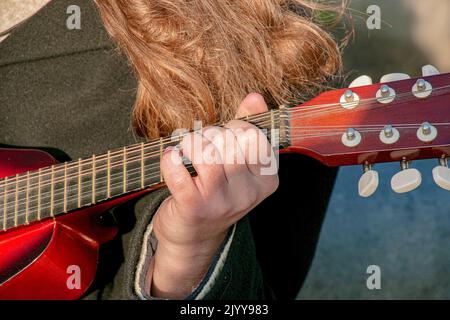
198, 59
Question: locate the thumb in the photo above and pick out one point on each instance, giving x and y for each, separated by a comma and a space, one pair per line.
252, 104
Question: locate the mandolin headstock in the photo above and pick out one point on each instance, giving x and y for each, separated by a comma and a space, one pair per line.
400, 120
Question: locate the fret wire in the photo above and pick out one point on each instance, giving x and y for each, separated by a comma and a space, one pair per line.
84, 173
108, 175
142, 166
93, 179
153, 175
80, 175
39, 195
88, 193
272, 120
27, 194
143, 146
161, 178
79, 182
283, 125
65, 188
16, 200
151, 144
168, 143
124, 169
52, 188
5, 207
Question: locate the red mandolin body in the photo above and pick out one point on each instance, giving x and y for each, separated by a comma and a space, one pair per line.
38, 260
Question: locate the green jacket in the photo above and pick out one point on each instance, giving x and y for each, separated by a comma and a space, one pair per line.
71, 93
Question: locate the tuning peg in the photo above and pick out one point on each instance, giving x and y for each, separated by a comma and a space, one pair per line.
407, 179
429, 70
394, 77
441, 174
361, 81
368, 183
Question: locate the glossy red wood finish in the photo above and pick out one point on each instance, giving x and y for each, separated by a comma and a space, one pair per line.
331, 151
35, 258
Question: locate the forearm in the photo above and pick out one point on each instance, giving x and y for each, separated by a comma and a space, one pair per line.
178, 270
232, 274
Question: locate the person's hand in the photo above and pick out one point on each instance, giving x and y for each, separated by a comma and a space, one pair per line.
191, 224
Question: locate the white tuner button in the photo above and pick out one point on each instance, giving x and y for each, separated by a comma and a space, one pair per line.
349, 99
426, 132
351, 138
394, 77
406, 180
368, 183
422, 89
389, 135
429, 70
385, 94
441, 174
361, 81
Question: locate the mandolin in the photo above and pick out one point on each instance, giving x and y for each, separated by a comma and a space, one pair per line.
50, 212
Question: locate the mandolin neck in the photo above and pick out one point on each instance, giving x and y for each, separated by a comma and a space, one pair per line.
65, 187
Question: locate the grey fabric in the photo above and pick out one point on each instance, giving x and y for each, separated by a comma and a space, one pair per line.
65, 89
202, 287
122, 286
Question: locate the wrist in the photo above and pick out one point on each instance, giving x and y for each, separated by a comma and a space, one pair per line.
178, 269
190, 251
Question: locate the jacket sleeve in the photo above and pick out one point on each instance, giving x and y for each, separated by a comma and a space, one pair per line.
233, 274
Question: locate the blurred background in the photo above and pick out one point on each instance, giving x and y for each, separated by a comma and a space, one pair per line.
407, 236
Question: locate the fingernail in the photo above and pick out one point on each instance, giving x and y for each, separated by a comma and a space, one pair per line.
177, 148
168, 149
